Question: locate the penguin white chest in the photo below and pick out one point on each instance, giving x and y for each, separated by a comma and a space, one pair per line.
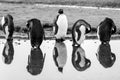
6, 32
3, 21
62, 26
80, 38
62, 54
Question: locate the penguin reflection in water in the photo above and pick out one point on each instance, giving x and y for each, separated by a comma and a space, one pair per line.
60, 55
79, 30
105, 56
36, 32
8, 52
35, 61
79, 60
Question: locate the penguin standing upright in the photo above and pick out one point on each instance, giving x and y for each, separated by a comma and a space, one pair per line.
8, 26
79, 30
61, 25
36, 32
105, 29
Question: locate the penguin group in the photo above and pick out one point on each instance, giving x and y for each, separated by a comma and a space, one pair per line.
80, 28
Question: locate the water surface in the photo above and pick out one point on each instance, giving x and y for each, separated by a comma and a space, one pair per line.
62, 53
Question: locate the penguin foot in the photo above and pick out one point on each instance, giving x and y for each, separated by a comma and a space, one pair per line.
10, 39
105, 42
60, 40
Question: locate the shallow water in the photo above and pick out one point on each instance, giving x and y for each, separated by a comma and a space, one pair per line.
17, 70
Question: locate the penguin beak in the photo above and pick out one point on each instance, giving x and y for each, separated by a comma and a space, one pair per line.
27, 25
28, 35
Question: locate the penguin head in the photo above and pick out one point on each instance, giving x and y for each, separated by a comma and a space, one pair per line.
60, 11
88, 63
3, 21
111, 24
29, 24
88, 28
33, 70
8, 59
82, 22
60, 69
6, 20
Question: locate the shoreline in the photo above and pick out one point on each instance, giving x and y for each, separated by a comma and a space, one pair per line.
92, 36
